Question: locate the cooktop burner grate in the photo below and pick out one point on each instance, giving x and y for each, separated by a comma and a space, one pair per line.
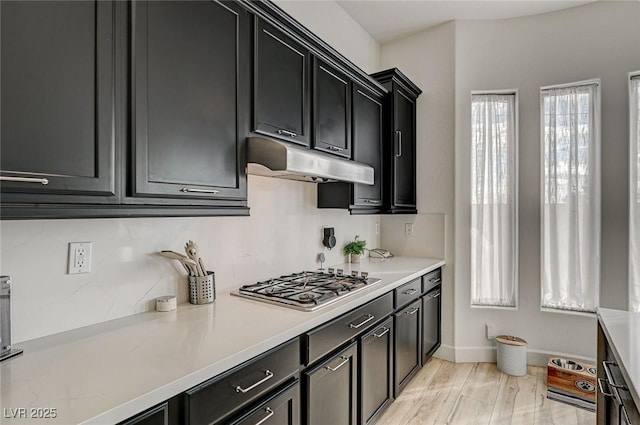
307, 290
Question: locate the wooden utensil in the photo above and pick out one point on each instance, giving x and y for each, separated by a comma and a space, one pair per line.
192, 251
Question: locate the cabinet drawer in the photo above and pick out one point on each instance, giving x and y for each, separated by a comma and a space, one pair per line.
330, 336
211, 401
283, 408
431, 280
407, 292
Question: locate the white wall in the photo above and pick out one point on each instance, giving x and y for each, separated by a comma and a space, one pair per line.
427, 59
597, 40
282, 235
332, 24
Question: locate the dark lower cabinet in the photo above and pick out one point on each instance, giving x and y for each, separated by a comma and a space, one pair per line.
281, 74
332, 390
376, 371
431, 317
614, 404
190, 67
283, 408
407, 344
57, 94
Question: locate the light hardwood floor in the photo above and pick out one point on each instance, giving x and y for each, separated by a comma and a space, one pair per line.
444, 393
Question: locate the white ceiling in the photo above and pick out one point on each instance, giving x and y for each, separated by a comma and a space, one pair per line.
388, 20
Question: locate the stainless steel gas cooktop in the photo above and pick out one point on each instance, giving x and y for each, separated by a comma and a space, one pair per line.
307, 291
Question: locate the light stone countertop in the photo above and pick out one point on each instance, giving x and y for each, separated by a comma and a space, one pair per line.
105, 373
622, 329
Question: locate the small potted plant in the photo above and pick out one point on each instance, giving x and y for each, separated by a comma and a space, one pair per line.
354, 249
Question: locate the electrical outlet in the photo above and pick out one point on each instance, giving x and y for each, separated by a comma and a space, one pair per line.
408, 229
79, 258
491, 330
377, 228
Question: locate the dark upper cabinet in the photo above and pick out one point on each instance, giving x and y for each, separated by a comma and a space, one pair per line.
367, 116
280, 85
331, 110
399, 141
57, 89
190, 73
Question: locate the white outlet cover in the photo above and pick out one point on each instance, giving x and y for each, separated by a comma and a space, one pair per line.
79, 260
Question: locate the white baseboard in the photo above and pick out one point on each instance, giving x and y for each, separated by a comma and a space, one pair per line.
488, 355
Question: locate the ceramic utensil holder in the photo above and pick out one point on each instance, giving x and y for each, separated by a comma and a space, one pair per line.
202, 289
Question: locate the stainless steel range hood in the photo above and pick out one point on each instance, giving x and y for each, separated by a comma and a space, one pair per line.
271, 158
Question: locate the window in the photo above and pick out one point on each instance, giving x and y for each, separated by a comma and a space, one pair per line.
571, 196
634, 195
494, 218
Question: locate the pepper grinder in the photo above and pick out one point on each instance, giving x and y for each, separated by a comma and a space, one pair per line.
6, 350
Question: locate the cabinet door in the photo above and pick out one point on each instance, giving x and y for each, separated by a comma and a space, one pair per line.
189, 80
367, 144
281, 85
376, 371
332, 390
407, 344
283, 408
57, 82
404, 168
431, 307
331, 110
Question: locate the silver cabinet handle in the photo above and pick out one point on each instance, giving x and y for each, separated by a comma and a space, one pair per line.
371, 201
335, 148
600, 381
268, 376
287, 133
414, 310
345, 360
359, 325
269, 411
435, 280
436, 295
625, 415
399, 133
609, 375
196, 190
386, 331
24, 180
410, 291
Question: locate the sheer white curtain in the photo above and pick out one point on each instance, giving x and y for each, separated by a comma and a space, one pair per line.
494, 261
634, 197
571, 197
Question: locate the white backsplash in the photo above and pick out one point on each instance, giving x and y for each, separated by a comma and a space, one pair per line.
282, 235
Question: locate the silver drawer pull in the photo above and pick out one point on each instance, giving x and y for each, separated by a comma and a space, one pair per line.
268, 376
414, 310
371, 201
386, 331
609, 375
24, 180
600, 381
287, 133
345, 360
436, 295
196, 190
269, 411
335, 148
435, 280
410, 291
359, 325
625, 415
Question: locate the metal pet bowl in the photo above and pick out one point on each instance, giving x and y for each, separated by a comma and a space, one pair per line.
567, 364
